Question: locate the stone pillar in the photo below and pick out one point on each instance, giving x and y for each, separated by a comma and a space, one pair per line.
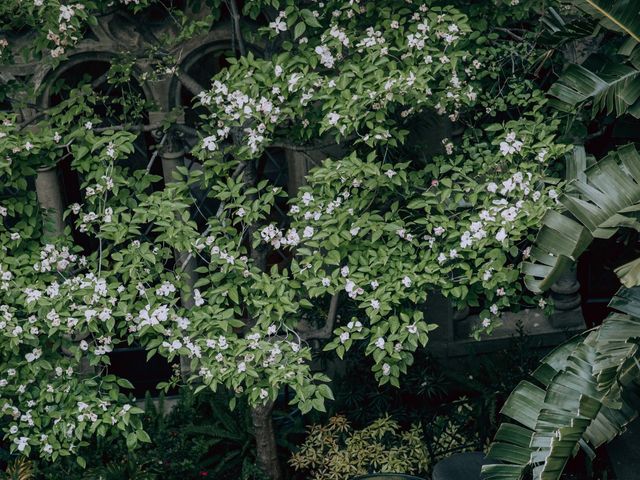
298, 168
566, 299
49, 196
172, 157
438, 310
565, 291
50, 199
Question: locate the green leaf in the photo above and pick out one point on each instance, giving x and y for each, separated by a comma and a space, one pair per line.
618, 15
583, 401
143, 436
299, 30
309, 18
606, 199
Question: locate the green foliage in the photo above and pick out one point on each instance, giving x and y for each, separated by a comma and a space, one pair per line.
375, 229
618, 15
585, 392
610, 82
189, 438
603, 202
335, 451
18, 469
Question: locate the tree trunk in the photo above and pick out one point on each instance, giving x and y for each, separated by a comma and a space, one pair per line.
267, 450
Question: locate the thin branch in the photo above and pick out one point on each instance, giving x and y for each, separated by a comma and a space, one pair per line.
306, 332
241, 166
129, 128
187, 130
100, 80
155, 154
189, 82
233, 7
510, 33
37, 116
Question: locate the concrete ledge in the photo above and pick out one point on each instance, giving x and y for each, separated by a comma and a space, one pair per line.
533, 323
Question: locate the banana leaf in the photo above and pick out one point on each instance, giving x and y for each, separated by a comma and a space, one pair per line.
618, 15
595, 205
587, 393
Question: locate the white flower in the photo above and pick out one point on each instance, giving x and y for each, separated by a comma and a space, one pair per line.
307, 198
380, 343
386, 369
501, 235
344, 336
438, 231
390, 173
553, 194
308, 232
374, 284
242, 367
241, 212
510, 145
326, 281
493, 309
486, 322
442, 258
210, 143
542, 154
406, 281
354, 231
197, 298
344, 271
22, 443
278, 70
33, 355
293, 80
542, 303
492, 187
84, 346
375, 304
333, 118
87, 125
509, 214
279, 25
263, 394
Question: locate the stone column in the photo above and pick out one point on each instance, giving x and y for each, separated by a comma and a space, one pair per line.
565, 291
50, 199
172, 157
566, 299
298, 168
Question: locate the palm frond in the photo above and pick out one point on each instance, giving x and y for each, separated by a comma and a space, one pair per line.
586, 395
595, 207
19, 469
559, 30
618, 15
614, 88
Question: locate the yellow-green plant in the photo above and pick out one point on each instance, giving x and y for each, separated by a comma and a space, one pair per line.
19, 469
336, 451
